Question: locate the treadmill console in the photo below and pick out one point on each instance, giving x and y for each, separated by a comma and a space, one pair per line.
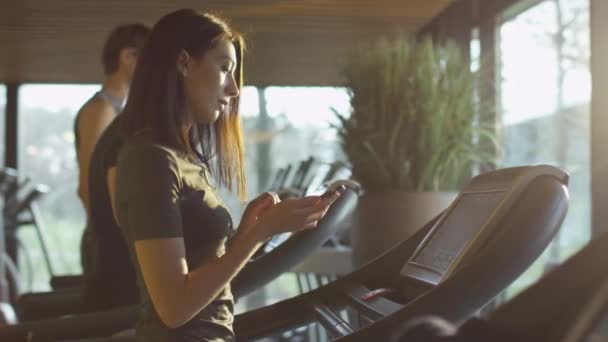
453, 234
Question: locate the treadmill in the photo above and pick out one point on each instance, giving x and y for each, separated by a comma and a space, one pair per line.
569, 304
494, 230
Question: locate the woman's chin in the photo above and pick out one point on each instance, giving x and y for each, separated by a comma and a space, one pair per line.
209, 118
215, 116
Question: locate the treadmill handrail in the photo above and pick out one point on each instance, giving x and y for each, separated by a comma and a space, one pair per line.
331, 321
247, 324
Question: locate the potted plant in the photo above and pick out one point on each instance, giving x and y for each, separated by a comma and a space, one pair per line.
412, 136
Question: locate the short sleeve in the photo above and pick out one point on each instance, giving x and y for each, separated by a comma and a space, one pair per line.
147, 192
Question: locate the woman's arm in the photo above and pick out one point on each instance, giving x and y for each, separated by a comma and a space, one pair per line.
178, 293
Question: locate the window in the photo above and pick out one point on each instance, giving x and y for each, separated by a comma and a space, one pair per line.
47, 156
545, 94
303, 117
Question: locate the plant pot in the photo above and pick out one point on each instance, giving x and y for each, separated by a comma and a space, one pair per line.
385, 219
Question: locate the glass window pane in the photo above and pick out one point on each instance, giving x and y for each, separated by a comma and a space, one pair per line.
545, 95
302, 116
290, 129
250, 105
47, 156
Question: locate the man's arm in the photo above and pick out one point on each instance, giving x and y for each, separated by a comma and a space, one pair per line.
94, 119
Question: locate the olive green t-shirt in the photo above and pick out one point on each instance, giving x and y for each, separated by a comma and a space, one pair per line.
161, 193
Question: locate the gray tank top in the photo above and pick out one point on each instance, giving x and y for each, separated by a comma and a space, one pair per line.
103, 95
116, 103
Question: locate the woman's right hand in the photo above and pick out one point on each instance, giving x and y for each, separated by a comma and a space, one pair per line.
256, 208
292, 215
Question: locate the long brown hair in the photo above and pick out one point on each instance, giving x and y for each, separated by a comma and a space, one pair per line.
157, 101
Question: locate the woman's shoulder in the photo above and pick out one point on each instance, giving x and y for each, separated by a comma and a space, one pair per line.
142, 150
140, 145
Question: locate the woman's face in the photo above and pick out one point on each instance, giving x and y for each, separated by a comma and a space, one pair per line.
209, 81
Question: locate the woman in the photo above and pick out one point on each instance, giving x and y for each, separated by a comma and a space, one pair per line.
182, 129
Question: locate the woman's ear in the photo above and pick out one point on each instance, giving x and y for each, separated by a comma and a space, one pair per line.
183, 63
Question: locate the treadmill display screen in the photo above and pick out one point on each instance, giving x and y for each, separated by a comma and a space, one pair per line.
460, 226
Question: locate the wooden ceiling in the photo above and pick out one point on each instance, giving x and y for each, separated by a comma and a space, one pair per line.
290, 42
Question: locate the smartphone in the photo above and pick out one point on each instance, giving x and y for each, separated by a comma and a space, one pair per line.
330, 192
